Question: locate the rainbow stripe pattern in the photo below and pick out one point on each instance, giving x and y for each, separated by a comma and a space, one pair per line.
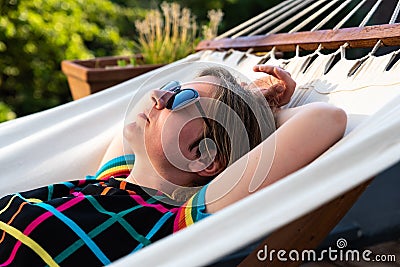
90, 222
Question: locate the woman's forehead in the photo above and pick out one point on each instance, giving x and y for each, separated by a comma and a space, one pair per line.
204, 85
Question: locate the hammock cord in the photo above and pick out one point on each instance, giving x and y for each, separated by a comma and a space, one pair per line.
313, 16
287, 12
370, 13
330, 16
349, 15
392, 21
294, 7
245, 25
297, 16
395, 13
362, 24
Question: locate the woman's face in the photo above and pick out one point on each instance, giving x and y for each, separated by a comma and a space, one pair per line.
166, 137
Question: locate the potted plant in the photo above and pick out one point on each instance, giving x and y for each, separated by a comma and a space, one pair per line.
86, 77
162, 38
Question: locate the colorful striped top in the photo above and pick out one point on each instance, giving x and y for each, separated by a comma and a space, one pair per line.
90, 222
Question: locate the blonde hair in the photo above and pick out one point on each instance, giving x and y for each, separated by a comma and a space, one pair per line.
241, 127
240, 119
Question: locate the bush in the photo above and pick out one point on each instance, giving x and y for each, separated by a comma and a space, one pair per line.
172, 34
6, 113
36, 35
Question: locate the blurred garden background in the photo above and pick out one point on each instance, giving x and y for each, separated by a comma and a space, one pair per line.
36, 35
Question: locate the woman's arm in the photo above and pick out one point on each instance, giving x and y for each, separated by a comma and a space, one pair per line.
305, 133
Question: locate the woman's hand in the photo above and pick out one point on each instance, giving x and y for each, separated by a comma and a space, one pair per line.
277, 87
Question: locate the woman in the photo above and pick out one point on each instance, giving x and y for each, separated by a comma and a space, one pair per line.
183, 137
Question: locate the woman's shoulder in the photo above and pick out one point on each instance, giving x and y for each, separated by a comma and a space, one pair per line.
193, 210
119, 166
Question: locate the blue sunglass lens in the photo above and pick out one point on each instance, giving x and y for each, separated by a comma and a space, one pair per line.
183, 98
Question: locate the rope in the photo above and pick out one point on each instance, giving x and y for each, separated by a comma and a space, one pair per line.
395, 13
288, 12
284, 11
295, 9
370, 13
392, 21
312, 17
330, 16
256, 25
345, 19
294, 18
253, 20
362, 24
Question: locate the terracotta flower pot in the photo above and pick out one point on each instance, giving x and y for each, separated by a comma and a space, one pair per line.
86, 77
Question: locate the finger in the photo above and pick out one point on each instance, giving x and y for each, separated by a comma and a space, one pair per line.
269, 69
284, 76
289, 83
275, 71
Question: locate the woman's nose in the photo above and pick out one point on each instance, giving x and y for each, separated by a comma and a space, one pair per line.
160, 98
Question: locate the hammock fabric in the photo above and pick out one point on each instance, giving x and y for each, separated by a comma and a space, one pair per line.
67, 142
51, 146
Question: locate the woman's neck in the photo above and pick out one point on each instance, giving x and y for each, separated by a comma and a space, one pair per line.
143, 174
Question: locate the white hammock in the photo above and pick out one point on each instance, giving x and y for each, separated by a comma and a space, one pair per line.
67, 143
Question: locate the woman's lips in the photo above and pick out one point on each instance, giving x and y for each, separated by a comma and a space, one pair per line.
143, 116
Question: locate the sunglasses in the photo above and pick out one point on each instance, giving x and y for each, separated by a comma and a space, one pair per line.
183, 98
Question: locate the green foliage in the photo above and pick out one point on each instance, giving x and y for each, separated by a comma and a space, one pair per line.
6, 113
36, 35
172, 34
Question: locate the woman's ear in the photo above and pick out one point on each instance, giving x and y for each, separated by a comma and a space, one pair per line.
206, 166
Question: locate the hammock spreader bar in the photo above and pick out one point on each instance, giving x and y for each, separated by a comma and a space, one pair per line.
356, 37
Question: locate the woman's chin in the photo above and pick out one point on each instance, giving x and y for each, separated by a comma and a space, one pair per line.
133, 131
